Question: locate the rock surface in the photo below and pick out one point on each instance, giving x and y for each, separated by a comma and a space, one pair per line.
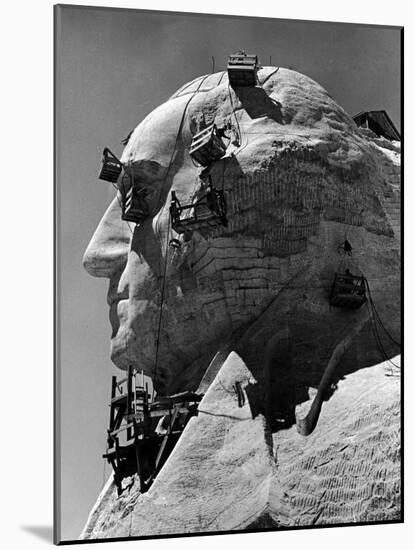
302, 178
299, 179
228, 472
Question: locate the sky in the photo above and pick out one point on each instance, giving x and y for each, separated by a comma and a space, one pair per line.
113, 68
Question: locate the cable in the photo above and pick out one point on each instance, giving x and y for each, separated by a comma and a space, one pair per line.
379, 318
161, 307
168, 229
377, 336
177, 136
235, 115
378, 340
221, 78
169, 217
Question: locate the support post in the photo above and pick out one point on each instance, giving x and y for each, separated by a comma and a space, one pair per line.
129, 399
112, 410
140, 471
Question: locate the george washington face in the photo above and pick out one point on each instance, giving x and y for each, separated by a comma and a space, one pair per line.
292, 167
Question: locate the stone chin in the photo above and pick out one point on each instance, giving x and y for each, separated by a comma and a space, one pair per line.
125, 350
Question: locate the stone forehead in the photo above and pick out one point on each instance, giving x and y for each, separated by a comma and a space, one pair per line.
286, 107
304, 101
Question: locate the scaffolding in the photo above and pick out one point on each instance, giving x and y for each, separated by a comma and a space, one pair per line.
142, 431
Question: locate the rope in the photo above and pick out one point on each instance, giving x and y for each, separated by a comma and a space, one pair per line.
378, 339
221, 78
375, 319
379, 318
374, 315
168, 229
176, 139
235, 115
161, 308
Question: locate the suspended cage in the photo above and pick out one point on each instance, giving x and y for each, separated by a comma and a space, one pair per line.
348, 290
242, 69
207, 146
135, 208
207, 212
111, 167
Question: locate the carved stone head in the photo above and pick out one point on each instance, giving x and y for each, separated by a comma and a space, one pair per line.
298, 177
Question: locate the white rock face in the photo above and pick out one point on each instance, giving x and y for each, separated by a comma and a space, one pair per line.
252, 301
303, 178
228, 472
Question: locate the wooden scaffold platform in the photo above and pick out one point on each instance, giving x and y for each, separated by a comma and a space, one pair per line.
142, 431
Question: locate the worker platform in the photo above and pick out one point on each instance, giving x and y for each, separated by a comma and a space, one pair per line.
348, 291
111, 167
242, 69
134, 206
143, 431
207, 146
204, 214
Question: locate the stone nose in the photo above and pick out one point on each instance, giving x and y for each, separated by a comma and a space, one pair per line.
107, 252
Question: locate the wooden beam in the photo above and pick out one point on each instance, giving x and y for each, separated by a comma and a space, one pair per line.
165, 440
140, 472
129, 398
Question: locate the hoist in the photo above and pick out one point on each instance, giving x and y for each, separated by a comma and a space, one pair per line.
134, 206
111, 167
204, 213
348, 290
242, 69
207, 146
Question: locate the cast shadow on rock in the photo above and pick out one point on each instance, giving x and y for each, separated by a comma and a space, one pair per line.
257, 103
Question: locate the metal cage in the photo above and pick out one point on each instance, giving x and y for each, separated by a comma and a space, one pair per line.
207, 146
111, 167
348, 291
242, 69
134, 206
207, 212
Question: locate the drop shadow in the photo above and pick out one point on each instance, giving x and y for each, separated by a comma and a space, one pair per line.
42, 532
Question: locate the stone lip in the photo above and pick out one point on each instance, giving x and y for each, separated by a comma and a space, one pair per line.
229, 473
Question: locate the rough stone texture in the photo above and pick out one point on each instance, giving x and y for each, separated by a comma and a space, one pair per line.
303, 178
299, 178
228, 472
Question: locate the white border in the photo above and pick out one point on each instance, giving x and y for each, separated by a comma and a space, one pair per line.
26, 457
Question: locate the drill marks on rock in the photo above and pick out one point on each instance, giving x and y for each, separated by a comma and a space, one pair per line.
286, 202
352, 474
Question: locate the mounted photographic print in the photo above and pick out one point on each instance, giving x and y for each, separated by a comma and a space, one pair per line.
228, 260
